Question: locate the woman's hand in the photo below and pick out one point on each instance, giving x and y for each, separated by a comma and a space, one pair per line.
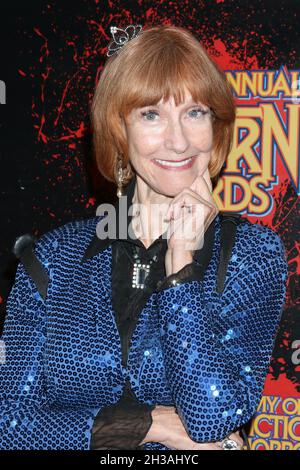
167, 428
190, 213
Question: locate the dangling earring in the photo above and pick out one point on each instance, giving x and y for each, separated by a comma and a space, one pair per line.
122, 175
119, 174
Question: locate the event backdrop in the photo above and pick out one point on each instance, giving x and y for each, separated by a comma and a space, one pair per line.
51, 56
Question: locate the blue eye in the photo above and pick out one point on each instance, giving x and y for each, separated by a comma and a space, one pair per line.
201, 112
149, 113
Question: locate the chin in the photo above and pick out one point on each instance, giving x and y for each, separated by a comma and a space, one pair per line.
176, 182
171, 189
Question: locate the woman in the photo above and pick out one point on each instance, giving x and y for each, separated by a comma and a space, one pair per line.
127, 343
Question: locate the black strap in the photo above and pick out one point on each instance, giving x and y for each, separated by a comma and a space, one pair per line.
24, 250
245, 438
229, 223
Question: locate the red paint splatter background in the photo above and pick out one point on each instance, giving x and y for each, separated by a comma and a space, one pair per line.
54, 54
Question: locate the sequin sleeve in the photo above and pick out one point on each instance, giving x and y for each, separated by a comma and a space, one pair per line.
28, 420
190, 272
217, 352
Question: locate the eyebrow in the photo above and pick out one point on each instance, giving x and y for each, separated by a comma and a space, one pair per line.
191, 103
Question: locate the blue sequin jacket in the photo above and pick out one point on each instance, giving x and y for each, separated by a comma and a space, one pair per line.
204, 352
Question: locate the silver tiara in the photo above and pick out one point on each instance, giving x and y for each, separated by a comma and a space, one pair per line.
121, 37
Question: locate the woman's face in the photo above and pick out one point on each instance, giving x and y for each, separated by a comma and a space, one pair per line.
161, 136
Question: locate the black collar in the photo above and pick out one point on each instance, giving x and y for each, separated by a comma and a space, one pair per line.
97, 245
202, 256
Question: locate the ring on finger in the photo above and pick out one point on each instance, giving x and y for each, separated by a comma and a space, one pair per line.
230, 444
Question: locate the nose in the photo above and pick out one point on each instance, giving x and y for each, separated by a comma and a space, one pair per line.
175, 138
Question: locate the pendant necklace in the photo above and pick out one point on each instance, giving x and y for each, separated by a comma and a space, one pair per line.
141, 270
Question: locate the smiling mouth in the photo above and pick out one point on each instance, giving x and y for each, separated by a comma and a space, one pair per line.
186, 163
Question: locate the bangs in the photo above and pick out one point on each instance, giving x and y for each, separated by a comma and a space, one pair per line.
165, 74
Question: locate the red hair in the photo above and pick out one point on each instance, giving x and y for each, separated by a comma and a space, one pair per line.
162, 61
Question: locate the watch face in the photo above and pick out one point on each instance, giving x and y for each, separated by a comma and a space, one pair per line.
229, 444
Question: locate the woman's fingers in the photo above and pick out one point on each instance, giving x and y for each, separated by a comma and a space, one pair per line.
218, 445
170, 431
186, 199
200, 192
236, 437
202, 184
189, 197
203, 187
189, 216
206, 176
206, 446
